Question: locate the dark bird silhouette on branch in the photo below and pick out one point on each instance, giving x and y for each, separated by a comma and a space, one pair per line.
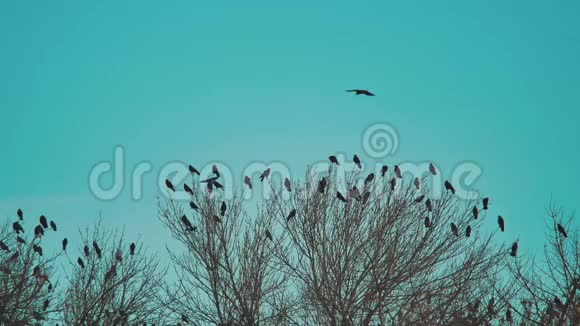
193, 170
562, 231
500, 222
333, 160
356, 161
340, 197
449, 187
265, 175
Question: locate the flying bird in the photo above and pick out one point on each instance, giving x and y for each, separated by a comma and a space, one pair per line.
193, 206
427, 222
17, 227
514, 251
188, 189
369, 178
269, 235
417, 183
287, 184
53, 225
562, 231
264, 175
419, 199
4, 247
485, 203
81, 263
360, 92
187, 223
20, 214
86, 250
398, 172
384, 170
169, 185
356, 161
45, 304
340, 197
193, 170
209, 180
322, 185
449, 187
500, 222
223, 208
291, 215
468, 231
132, 248
454, 229
248, 182
43, 221
475, 212
333, 160
97, 249
429, 205
215, 171
432, 169
64, 244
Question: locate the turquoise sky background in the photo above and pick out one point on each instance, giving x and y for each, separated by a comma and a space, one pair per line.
493, 82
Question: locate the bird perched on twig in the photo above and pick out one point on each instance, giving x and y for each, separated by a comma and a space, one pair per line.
475, 212
514, 250
500, 222
333, 160
248, 182
432, 169
398, 172
449, 187
20, 214
485, 202
340, 197
193, 170
53, 226
291, 215
169, 185
562, 231
43, 221
384, 170
356, 161
322, 185
454, 229
287, 184
360, 92
265, 174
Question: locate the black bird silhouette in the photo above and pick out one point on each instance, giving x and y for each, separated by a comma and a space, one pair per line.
369, 178
454, 229
427, 222
508, 316
119, 256
360, 92
429, 205
209, 180
53, 225
215, 171
354, 193
340, 197
188, 189
248, 182
43, 221
475, 212
20, 214
287, 184
558, 302
97, 249
393, 184
419, 199
20, 240
81, 263
187, 223
64, 244
4, 247
500, 222
193, 206
86, 250
333, 159
223, 208
485, 202
432, 169
356, 161
264, 175
37, 249
291, 215
218, 185
417, 183
384, 170
468, 231
269, 235
514, 251
193, 170
217, 219
322, 185
169, 185
562, 231
132, 248
45, 304
184, 319
38, 231
366, 196
449, 187
398, 172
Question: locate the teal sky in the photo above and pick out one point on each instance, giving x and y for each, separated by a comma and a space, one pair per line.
493, 82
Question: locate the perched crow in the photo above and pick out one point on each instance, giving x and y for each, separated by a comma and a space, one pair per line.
264, 175
17, 227
97, 249
193, 170
64, 244
187, 223
20, 214
508, 316
449, 187
398, 172
322, 185
169, 185
132, 248
429, 205
454, 229
384, 170
393, 184
215, 171
45, 304
475, 212
287, 184
360, 92
369, 178
248, 182
558, 302
53, 225
81, 263
193, 206
269, 235
38, 231
43, 221
37, 249
333, 160
485, 202
514, 251
86, 251
427, 222
354, 193
217, 219
356, 161
223, 208
419, 199
119, 256
184, 319
340, 197
14, 256
20, 240
291, 215
468, 231
432, 169
417, 183
4, 247
188, 189
500, 223
366, 196
562, 231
